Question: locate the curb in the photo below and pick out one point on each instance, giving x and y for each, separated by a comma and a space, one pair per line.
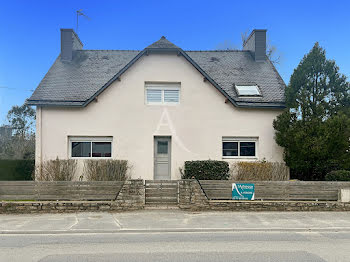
174, 230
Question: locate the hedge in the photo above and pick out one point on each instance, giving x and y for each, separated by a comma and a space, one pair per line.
338, 175
207, 169
16, 169
260, 171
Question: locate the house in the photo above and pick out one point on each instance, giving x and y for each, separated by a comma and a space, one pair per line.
160, 106
5, 132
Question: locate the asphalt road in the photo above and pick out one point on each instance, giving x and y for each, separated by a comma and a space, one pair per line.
175, 235
181, 246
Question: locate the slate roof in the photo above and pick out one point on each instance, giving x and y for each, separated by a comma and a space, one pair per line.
162, 43
239, 67
76, 82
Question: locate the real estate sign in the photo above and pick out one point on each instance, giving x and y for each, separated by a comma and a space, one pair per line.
243, 191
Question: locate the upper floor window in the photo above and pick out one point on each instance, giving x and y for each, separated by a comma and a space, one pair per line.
86, 147
162, 93
247, 90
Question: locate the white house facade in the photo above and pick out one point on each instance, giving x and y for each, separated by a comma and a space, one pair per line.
158, 107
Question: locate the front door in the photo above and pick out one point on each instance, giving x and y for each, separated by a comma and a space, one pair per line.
162, 149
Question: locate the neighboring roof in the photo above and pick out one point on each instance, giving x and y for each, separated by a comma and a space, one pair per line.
77, 82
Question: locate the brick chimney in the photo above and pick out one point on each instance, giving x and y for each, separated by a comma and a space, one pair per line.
256, 44
69, 43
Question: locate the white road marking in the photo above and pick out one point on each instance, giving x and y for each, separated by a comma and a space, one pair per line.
75, 223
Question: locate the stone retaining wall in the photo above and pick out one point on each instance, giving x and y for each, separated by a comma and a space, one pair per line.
277, 205
90, 206
59, 206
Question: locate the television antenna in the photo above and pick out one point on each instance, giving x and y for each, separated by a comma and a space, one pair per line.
80, 13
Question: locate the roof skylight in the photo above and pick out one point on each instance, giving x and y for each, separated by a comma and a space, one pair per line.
247, 90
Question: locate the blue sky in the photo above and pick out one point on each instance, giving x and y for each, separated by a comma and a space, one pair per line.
30, 35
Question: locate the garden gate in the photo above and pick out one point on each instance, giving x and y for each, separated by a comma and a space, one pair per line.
161, 192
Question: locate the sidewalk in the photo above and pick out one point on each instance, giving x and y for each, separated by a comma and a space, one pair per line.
173, 221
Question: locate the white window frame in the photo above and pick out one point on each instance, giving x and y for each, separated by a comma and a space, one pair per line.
239, 140
87, 139
255, 95
162, 87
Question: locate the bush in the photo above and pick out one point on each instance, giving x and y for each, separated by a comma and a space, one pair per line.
206, 170
56, 170
260, 171
16, 169
338, 175
106, 170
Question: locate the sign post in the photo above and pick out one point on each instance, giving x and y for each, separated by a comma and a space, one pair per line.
243, 191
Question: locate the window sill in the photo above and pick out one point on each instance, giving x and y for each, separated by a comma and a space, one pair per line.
162, 104
241, 157
94, 158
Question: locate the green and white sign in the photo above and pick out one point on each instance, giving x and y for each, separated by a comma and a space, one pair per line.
243, 191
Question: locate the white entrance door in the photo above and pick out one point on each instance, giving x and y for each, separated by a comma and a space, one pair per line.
162, 158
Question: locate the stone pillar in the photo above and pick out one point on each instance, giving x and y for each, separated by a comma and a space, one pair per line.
185, 193
191, 195
199, 200
132, 195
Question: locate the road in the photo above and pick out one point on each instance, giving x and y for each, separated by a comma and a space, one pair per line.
181, 246
174, 235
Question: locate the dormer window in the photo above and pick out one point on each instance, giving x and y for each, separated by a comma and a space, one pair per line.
247, 90
162, 93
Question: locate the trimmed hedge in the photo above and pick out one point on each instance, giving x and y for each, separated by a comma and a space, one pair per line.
206, 170
338, 175
16, 169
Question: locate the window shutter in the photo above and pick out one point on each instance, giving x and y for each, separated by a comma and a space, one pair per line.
154, 96
171, 96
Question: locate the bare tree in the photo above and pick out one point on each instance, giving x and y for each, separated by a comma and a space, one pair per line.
244, 37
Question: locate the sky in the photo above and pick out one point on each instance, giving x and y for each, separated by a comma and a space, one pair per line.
30, 32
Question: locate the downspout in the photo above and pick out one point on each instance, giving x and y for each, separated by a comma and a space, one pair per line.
38, 140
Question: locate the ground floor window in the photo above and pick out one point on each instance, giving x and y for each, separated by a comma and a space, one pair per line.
90, 147
235, 147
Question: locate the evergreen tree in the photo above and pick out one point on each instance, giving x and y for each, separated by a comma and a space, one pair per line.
315, 127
